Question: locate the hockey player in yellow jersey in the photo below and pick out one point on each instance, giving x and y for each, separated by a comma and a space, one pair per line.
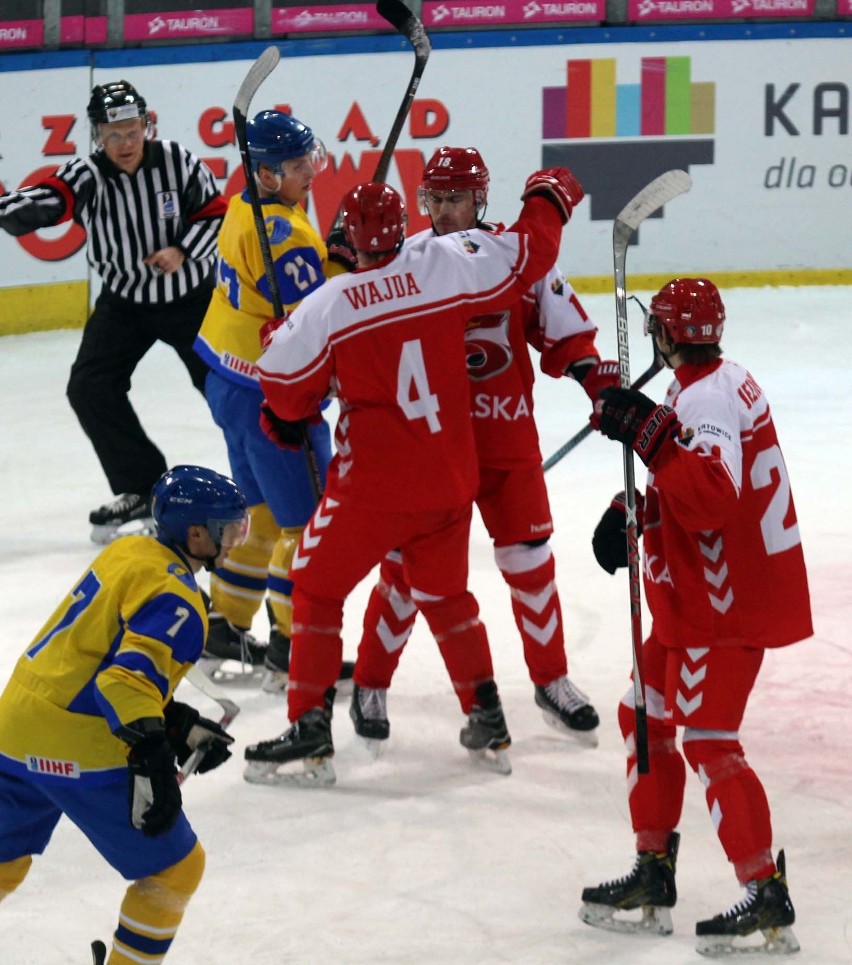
88, 723
285, 158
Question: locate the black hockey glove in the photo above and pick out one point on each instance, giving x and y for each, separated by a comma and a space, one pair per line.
187, 731
339, 249
285, 435
609, 542
155, 798
630, 417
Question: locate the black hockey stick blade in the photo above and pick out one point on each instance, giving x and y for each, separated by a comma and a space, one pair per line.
257, 74
405, 22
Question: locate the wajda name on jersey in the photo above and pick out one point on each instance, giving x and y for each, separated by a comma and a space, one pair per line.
383, 290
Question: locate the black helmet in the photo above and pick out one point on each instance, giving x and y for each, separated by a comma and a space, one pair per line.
115, 102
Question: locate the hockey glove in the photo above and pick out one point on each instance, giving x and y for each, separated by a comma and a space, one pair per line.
596, 377
155, 798
285, 435
559, 186
187, 731
339, 249
609, 542
268, 329
630, 417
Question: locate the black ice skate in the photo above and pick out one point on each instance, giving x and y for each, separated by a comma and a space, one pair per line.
567, 709
486, 735
650, 886
369, 714
127, 514
307, 740
766, 909
277, 663
225, 641
98, 953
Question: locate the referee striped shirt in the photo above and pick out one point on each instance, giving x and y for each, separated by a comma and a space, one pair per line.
171, 200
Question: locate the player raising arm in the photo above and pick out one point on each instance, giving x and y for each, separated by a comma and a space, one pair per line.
512, 496
725, 580
389, 340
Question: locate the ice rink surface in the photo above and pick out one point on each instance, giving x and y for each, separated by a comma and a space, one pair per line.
418, 858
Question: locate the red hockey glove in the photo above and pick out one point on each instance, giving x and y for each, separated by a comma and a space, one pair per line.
596, 377
559, 186
339, 249
268, 329
609, 542
630, 417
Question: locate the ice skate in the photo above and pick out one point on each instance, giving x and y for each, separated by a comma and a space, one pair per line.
127, 514
650, 887
308, 740
765, 913
98, 953
229, 643
567, 709
369, 714
486, 735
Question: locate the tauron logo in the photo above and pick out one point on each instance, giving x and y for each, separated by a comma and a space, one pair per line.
618, 137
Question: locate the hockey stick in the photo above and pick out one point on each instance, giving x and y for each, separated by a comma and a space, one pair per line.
403, 20
258, 72
229, 711
650, 199
587, 430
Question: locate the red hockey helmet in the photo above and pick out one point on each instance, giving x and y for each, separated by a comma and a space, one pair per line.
455, 169
373, 217
690, 311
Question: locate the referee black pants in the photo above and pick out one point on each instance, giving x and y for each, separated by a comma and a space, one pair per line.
115, 339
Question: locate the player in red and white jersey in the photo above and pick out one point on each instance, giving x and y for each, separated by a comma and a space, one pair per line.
389, 341
512, 495
725, 579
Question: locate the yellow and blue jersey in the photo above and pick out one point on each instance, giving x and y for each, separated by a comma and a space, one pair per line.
111, 653
229, 339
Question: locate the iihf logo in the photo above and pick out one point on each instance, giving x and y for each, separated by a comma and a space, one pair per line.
167, 204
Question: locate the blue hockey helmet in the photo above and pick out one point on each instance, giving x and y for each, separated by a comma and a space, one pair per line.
194, 496
274, 137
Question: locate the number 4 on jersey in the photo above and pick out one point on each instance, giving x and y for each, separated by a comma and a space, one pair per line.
413, 394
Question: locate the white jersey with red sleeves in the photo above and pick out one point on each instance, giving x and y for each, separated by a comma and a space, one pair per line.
723, 561
549, 317
390, 342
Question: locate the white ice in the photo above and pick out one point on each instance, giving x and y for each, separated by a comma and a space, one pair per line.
419, 858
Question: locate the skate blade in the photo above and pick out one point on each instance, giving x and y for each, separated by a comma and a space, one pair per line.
371, 746
776, 941
588, 738
654, 920
275, 682
496, 761
318, 772
106, 533
225, 671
